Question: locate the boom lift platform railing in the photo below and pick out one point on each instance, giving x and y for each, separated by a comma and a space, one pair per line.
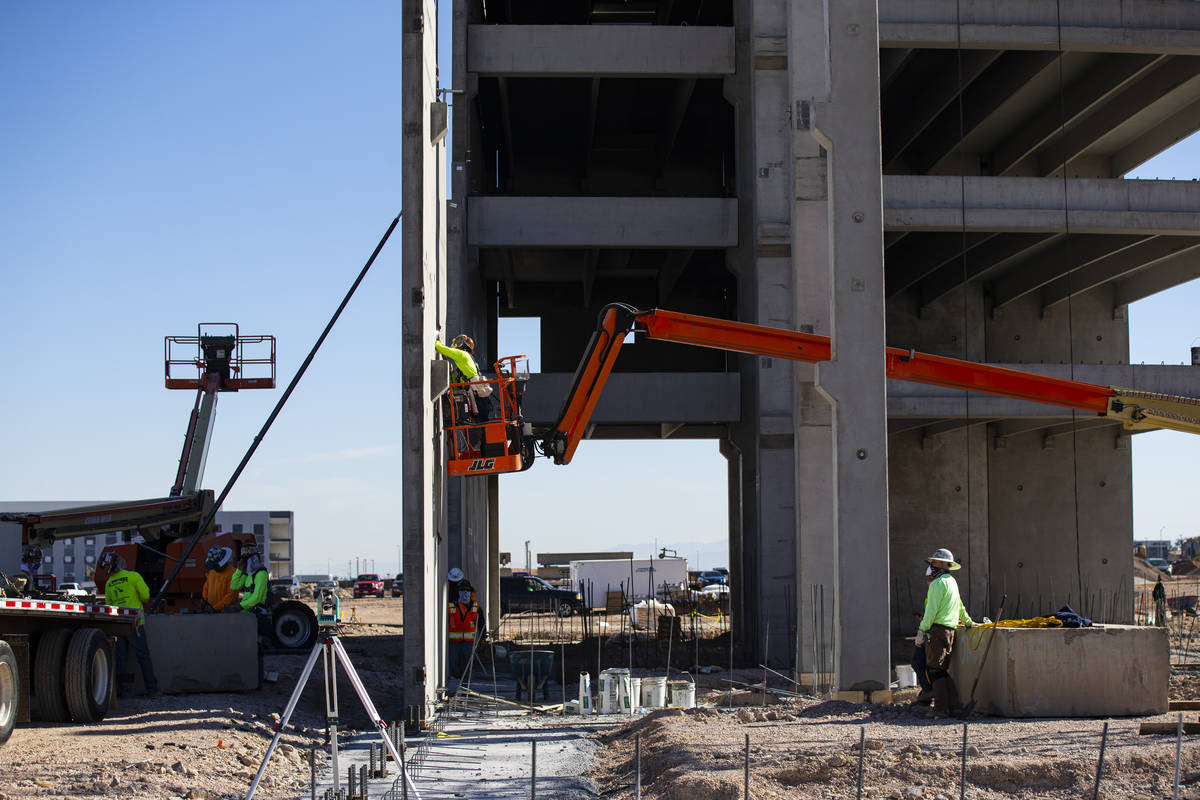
1135, 409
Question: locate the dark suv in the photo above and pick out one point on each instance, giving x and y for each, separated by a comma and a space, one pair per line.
526, 593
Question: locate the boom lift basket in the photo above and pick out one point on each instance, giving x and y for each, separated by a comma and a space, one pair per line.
245, 362
499, 443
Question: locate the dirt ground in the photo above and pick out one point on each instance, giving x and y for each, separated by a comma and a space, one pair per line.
808, 748
209, 745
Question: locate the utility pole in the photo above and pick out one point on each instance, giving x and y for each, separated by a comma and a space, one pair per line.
528, 560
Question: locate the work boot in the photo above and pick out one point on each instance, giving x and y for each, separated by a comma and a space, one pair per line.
941, 700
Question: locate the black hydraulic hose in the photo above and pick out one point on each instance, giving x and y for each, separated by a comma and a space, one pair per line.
155, 604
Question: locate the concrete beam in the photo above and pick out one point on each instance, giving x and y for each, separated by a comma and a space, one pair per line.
918, 400
1115, 26
983, 98
1116, 266
1063, 257
653, 398
559, 51
690, 222
978, 262
906, 115
1170, 272
1031, 205
1081, 97
921, 254
1177, 127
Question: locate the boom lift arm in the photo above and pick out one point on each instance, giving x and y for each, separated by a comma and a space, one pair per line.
1135, 409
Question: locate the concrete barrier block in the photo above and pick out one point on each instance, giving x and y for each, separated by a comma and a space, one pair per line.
1103, 671
203, 652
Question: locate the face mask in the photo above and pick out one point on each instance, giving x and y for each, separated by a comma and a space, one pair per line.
929, 571
464, 597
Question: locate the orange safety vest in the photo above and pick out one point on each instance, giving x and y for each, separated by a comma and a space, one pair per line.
462, 622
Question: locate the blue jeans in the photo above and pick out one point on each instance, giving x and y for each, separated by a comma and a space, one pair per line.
918, 665
141, 649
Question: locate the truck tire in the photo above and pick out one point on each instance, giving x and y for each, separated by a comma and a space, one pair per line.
293, 625
9, 681
48, 684
89, 675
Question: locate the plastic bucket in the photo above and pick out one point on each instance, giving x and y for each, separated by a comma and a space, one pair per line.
585, 693
906, 676
654, 692
631, 693
683, 694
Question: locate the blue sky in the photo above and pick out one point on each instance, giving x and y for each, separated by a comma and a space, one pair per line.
169, 164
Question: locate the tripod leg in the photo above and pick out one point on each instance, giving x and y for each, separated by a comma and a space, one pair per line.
380, 725
287, 715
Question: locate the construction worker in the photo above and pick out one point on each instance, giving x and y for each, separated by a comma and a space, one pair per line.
463, 615
218, 584
126, 589
461, 355
251, 579
917, 662
1159, 593
944, 611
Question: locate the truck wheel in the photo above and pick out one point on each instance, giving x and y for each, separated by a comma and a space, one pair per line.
294, 625
8, 691
565, 609
48, 684
89, 673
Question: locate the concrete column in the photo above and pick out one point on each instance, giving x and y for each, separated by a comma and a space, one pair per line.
847, 126
774, 306
424, 281
815, 546
733, 459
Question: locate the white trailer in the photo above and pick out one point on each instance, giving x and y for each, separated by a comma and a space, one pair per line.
61, 653
636, 578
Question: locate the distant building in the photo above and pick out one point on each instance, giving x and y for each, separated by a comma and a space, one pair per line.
1190, 548
1155, 548
275, 532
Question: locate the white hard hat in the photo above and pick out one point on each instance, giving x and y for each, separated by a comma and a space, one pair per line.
455, 575
942, 554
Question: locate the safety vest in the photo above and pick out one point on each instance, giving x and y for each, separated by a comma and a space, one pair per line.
462, 622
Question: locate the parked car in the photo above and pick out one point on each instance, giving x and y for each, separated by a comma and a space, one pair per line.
527, 593
368, 583
711, 577
1159, 563
73, 590
398, 585
285, 587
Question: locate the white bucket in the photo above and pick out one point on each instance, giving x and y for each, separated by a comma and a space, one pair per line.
906, 676
654, 692
683, 694
585, 693
610, 690
631, 694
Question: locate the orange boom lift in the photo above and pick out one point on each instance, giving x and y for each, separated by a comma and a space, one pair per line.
517, 445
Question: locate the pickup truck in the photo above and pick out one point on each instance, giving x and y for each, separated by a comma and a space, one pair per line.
368, 583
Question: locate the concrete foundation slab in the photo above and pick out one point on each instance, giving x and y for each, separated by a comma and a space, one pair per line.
1104, 671
203, 652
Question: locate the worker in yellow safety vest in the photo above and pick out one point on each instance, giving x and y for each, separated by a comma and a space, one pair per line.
251, 579
463, 625
944, 612
127, 589
461, 355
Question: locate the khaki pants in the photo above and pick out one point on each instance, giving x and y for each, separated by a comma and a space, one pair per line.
938, 647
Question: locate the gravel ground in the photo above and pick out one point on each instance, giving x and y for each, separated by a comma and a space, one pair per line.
807, 748
208, 745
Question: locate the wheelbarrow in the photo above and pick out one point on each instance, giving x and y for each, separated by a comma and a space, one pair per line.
530, 680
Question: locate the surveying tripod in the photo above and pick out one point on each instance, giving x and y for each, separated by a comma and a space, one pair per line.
330, 648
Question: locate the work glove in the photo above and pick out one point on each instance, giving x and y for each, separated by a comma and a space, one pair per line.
921, 637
